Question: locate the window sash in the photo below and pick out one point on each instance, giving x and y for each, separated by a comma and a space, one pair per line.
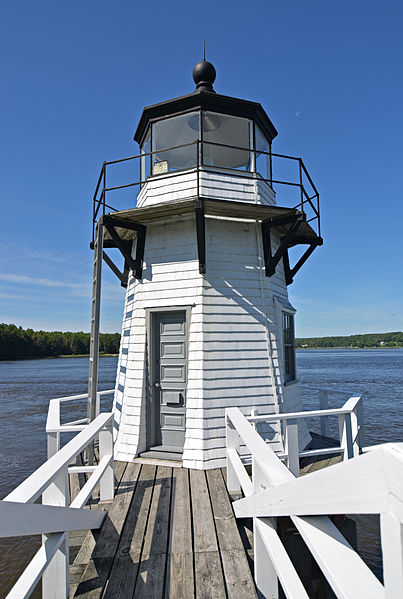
289, 347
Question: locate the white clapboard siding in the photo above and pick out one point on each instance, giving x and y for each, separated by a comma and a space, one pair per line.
212, 184
168, 187
234, 334
173, 280
226, 187
276, 287
234, 349
265, 193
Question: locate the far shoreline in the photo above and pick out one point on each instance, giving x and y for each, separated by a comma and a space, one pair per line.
349, 347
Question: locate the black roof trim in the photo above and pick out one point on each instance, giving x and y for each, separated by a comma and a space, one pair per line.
206, 101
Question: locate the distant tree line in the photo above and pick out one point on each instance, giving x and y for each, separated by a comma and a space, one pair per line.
16, 342
367, 340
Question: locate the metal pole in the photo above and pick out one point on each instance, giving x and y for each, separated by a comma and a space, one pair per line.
95, 320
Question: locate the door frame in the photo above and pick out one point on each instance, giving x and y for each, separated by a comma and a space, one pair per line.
150, 363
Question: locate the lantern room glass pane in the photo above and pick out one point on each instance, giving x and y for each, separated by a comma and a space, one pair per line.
175, 131
262, 160
146, 160
230, 131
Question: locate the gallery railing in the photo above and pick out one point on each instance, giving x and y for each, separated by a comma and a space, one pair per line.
194, 158
54, 425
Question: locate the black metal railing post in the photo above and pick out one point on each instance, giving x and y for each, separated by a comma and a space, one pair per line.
300, 184
104, 189
317, 204
271, 168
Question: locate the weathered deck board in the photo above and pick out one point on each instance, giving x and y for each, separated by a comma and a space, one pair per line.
170, 534
237, 574
96, 573
150, 580
179, 577
125, 567
205, 538
209, 580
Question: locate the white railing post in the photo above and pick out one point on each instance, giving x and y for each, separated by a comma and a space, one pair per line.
392, 554
291, 445
232, 442
360, 419
53, 442
324, 420
355, 432
98, 405
264, 572
55, 580
107, 482
254, 412
345, 436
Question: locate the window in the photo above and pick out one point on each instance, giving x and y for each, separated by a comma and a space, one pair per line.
146, 160
230, 131
224, 141
168, 133
289, 347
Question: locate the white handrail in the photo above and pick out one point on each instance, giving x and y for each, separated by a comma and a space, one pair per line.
33, 486
314, 388
51, 481
275, 491
324, 404
350, 431
54, 426
22, 519
347, 408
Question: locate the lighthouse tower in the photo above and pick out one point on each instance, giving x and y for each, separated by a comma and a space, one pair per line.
207, 321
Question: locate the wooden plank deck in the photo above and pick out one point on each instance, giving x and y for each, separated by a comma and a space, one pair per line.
170, 533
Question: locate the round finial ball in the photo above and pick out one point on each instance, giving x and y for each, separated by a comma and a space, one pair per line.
204, 72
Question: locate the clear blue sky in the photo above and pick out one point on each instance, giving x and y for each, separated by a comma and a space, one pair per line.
76, 75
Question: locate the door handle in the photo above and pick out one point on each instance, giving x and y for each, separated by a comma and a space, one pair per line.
157, 385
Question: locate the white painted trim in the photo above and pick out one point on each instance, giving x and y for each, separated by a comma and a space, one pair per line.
283, 304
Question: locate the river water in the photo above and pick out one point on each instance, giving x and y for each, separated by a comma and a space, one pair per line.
26, 386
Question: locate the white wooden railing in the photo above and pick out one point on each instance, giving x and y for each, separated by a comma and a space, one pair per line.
323, 394
351, 429
54, 427
19, 515
369, 483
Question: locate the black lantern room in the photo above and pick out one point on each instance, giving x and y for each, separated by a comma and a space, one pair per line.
233, 134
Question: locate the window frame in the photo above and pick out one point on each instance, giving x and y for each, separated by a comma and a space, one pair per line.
282, 308
290, 373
